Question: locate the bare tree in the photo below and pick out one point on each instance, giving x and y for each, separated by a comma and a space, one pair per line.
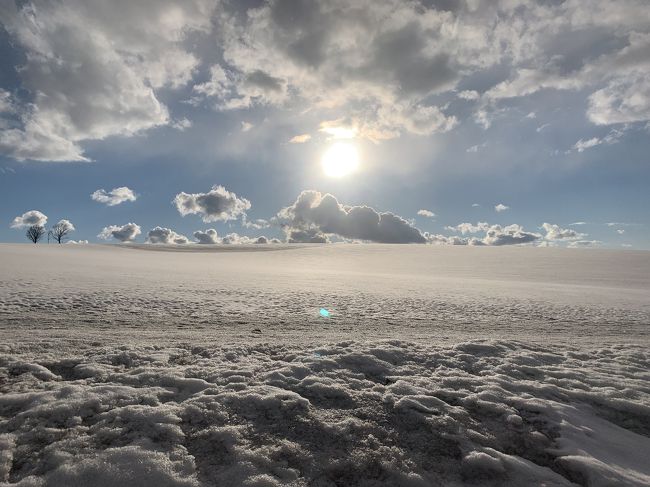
60, 231
35, 233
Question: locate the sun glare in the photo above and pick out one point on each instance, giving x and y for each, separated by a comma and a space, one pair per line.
339, 160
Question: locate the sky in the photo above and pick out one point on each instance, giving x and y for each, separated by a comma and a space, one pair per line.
431, 122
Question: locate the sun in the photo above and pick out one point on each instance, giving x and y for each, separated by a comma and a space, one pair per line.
339, 160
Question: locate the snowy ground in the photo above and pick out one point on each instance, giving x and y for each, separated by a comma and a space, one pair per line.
211, 366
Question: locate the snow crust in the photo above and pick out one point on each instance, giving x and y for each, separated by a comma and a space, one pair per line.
130, 367
384, 413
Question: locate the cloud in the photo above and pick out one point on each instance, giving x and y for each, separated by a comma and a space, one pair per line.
299, 139
387, 67
218, 204
495, 235
208, 236
452, 240
475, 205
376, 65
77, 242
246, 126
257, 224
235, 89
93, 70
182, 124
501, 207
620, 231
621, 224
29, 218
235, 239
426, 213
585, 243
115, 196
621, 101
469, 95
309, 235
466, 228
613, 137
161, 235
313, 216
510, 235
124, 233
581, 145
555, 232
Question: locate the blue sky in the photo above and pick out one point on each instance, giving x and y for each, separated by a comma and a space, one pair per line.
541, 107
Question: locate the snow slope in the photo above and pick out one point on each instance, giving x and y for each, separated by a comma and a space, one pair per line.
439, 366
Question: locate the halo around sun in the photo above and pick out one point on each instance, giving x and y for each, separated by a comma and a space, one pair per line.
340, 159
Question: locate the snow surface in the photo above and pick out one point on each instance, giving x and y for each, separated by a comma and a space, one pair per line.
160, 366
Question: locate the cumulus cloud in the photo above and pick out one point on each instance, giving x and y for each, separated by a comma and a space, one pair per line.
93, 69
452, 240
161, 235
29, 218
555, 232
501, 207
123, 233
494, 235
307, 235
426, 213
314, 216
208, 236
465, 228
218, 204
235, 239
115, 196
509, 235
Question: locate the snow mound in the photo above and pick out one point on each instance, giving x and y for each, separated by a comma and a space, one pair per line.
351, 413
